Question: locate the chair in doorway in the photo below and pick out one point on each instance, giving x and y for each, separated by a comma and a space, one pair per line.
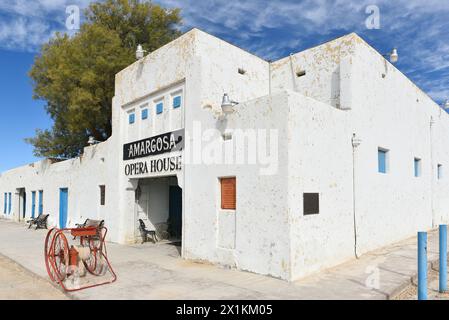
162, 230
144, 232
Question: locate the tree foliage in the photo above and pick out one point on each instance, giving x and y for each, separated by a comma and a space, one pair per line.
76, 75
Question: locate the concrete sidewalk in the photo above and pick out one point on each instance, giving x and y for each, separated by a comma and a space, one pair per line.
156, 272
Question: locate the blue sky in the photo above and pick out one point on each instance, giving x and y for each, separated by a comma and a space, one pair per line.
269, 28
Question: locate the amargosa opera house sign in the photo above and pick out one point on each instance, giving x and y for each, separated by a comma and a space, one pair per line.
151, 147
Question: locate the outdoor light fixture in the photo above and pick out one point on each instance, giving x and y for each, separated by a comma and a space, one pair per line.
92, 141
140, 53
393, 55
227, 105
355, 140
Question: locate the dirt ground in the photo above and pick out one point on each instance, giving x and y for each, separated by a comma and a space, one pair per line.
411, 292
16, 283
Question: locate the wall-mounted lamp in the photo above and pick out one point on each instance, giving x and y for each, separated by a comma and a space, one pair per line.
227, 105
140, 53
393, 55
356, 141
92, 141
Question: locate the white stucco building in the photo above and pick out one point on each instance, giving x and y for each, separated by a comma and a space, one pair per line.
343, 155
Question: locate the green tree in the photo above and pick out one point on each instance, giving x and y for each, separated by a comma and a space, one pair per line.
76, 75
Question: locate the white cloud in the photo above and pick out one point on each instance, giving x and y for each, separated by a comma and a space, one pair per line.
23, 34
274, 28
25, 25
417, 27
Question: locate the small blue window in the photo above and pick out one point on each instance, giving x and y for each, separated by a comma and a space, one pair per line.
41, 203
417, 167
440, 171
159, 108
131, 118
5, 203
177, 102
144, 114
9, 203
383, 160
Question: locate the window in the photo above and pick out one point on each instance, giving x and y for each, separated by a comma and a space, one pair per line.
311, 203
5, 203
159, 108
382, 155
417, 167
131, 118
228, 193
144, 114
440, 171
102, 195
41, 203
176, 102
9, 203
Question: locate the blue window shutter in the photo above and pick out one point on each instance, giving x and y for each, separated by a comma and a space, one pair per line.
159, 108
417, 167
5, 203
177, 102
132, 118
41, 205
382, 159
9, 203
144, 114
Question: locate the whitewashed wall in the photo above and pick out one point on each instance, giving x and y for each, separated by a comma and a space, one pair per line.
82, 176
320, 161
389, 111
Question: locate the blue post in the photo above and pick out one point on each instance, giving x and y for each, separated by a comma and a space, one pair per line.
443, 258
422, 265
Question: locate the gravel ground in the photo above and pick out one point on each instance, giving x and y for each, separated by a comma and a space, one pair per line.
411, 292
17, 283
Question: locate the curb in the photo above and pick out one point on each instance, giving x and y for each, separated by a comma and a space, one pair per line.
413, 281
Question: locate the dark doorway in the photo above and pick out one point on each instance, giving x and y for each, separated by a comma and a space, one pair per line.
21, 209
24, 209
175, 212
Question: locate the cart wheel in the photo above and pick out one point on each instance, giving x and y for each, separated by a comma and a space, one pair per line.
94, 264
91, 262
48, 264
59, 253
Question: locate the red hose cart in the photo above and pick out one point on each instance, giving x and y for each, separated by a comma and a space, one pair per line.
78, 266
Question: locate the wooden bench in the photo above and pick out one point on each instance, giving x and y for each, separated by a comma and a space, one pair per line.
91, 223
40, 221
